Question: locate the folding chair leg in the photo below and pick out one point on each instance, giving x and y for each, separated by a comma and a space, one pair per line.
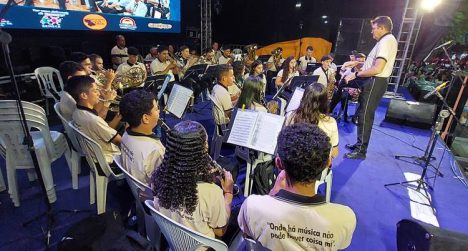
2, 182
12, 185
75, 162
248, 172
46, 172
92, 188
101, 192
329, 181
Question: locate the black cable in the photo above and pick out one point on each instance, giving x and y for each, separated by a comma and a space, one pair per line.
407, 143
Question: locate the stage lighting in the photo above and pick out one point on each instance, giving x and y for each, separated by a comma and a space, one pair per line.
324, 16
429, 5
326, 22
298, 5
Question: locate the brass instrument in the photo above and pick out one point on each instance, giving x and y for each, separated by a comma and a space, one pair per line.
251, 50
133, 77
277, 57
331, 84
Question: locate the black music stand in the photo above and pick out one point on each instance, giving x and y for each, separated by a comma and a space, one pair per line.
312, 66
287, 90
154, 83
196, 70
264, 58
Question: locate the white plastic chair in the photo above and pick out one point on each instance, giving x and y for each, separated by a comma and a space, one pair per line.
47, 86
100, 174
221, 129
76, 152
48, 145
141, 191
181, 238
325, 177
252, 245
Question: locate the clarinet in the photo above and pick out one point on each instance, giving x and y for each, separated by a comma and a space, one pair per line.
164, 126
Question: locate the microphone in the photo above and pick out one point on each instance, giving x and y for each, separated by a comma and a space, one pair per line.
438, 88
444, 44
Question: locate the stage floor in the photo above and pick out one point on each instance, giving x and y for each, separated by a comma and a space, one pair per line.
357, 184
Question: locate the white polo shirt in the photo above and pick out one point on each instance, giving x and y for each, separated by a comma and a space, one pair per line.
210, 212
290, 221
221, 96
141, 154
323, 75
303, 61
386, 49
88, 121
67, 105
124, 67
158, 66
223, 60
119, 53
291, 74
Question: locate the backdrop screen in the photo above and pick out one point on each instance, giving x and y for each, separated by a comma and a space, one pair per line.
105, 15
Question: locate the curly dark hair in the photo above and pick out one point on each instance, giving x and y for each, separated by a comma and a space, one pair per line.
134, 105
185, 163
314, 105
285, 67
304, 150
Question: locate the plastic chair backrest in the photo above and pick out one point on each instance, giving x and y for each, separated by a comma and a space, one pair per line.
12, 133
181, 238
135, 185
47, 86
252, 245
68, 130
93, 153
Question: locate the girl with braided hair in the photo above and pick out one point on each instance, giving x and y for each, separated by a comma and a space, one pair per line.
184, 187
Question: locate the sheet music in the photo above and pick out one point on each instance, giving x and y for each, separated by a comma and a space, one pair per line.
295, 99
256, 130
178, 100
266, 132
243, 127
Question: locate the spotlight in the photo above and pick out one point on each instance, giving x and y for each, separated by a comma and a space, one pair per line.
429, 5
326, 21
324, 16
298, 5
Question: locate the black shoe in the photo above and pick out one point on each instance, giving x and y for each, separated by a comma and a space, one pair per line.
355, 155
354, 120
351, 146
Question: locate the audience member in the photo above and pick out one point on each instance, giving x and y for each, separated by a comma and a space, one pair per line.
142, 150
293, 216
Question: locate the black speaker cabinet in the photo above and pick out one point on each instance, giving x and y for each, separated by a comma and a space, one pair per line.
418, 236
415, 114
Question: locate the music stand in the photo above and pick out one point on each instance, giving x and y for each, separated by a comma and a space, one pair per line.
196, 70
312, 66
154, 82
297, 81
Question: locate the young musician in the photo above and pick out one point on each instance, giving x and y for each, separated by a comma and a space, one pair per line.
251, 96
287, 73
183, 186
257, 72
142, 150
131, 62
162, 65
324, 72
225, 57
86, 94
220, 91
307, 58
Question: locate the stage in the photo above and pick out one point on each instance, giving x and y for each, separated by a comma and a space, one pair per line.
357, 184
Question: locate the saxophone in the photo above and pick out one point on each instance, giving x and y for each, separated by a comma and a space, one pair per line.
277, 57
331, 84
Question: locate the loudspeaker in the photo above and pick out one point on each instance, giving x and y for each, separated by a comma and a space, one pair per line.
415, 114
419, 236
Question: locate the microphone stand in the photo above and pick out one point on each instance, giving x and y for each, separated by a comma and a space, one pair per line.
5, 39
